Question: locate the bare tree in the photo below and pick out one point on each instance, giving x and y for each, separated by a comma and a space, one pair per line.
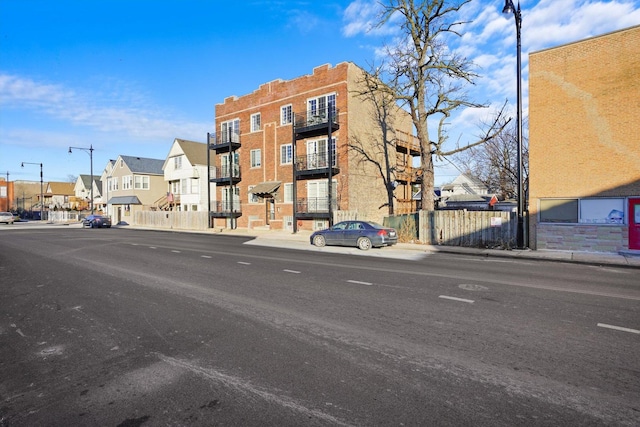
427, 78
496, 163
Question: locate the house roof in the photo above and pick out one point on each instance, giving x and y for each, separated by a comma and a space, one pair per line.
196, 152
61, 188
143, 165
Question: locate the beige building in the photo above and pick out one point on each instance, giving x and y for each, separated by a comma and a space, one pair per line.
290, 155
132, 184
584, 137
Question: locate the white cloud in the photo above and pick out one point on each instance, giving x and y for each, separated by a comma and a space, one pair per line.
122, 112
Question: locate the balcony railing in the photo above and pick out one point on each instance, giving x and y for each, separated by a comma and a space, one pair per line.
226, 206
314, 204
224, 141
407, 143
315, 161
222, 173
316, 120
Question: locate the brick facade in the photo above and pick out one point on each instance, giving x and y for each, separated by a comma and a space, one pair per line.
358, 186
584, 135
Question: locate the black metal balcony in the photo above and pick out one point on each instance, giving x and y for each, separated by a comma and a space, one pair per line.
315, 123
225, 175
225, 209
314, 207
316, 166
224, 142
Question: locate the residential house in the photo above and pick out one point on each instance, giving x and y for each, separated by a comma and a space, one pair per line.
466, 192
185, 173
132, 184
464, 184
284, 157
83, 194
60, 196
584, 152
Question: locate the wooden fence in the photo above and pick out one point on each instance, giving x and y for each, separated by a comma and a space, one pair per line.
172, 220
479, 229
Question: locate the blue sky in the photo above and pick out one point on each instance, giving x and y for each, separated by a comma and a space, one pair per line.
129, 76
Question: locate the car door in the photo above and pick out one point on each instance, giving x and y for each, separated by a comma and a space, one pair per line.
353, 232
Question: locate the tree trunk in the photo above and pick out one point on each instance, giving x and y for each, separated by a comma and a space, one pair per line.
428, 177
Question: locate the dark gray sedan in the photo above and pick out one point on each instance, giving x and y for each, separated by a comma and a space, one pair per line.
96, 221
362, 234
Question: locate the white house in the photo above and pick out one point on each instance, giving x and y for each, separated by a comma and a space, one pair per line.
185, 172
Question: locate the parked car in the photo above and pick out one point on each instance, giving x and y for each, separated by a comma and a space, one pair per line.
362, 234
6, 217
99, 221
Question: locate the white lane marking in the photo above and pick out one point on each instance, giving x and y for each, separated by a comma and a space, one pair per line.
291, 271
175, 252
205, 256
244, 263
470, 301
357, 282
152, 247
619, 328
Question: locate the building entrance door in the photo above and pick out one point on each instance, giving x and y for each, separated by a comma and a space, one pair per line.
634, 223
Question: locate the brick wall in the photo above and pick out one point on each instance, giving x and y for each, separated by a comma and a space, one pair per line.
359, 185
583, 129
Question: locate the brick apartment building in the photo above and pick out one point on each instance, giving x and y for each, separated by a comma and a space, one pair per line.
272, 165
584, 134
7, 201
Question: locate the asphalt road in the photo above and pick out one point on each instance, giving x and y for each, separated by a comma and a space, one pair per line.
127, 327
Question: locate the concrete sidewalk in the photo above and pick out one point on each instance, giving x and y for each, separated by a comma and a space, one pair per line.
300, 240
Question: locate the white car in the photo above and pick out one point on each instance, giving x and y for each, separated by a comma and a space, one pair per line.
6, 217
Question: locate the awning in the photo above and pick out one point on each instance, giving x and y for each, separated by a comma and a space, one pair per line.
265, 188
124, 200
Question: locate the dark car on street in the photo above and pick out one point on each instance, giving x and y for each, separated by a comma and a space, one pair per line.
361, 234
96, 221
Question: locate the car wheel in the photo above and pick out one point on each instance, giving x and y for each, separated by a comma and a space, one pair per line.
364, 243
319, 241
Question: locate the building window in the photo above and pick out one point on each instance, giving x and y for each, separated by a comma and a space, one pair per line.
256, 158
141, 182
194, 185
286, 154
177, 162
127, 182
255, 122
318, 108
253, 198
230, 131
559, 210
286, 116
288, 192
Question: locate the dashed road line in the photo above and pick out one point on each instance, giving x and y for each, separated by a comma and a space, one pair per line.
244, 263
469, 301
205, 256
357, 282
176, 252
291, 271
619, 328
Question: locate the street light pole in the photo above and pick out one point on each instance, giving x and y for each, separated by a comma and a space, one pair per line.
521, 241
41, 188
90, 151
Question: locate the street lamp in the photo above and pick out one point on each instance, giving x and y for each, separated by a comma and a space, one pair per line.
90, 152
520, 231
41, 189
